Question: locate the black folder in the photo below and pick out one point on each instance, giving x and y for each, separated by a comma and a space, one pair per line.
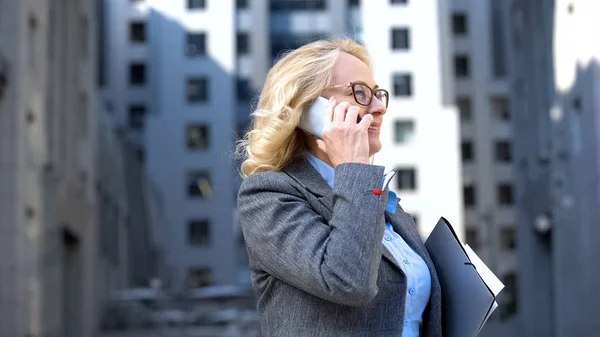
467, 301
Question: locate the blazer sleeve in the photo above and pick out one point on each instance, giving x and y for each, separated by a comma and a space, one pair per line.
337, 261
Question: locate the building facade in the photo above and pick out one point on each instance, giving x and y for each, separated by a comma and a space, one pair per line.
556, 79
481, 37
47, 169
410, 49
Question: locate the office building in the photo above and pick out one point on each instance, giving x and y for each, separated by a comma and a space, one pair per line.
48, 219
191, 70
480, 62
554, 85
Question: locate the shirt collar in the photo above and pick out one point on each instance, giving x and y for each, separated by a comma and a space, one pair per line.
328, 174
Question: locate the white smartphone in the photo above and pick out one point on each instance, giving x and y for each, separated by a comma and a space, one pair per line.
312, 120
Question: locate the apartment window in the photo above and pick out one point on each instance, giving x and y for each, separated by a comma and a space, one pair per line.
467, 153
500, 109
197, 136
472, 238
197, 90
404, 131
400, 39
505, 194
297, 5
196, 44
461, 66
497, 38
198, 184
241, 4
137, 116
137, 32
200, 277
199, 232
196, 4
508, 297
508, 240
464, 108
402, 85
503, 152
406, 179
244, 89
353, 3
398, 2
459, 24
469, 195
137, 74
243, 43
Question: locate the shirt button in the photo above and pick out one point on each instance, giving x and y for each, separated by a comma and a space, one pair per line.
388, 238
412, 291
406, 261
405, 322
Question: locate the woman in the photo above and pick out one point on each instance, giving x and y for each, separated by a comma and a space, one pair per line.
331, 253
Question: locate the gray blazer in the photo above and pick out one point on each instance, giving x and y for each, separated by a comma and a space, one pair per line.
316, 257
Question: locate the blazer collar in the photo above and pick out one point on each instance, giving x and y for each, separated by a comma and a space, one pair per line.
305, 174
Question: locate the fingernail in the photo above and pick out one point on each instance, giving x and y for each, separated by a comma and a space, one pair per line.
331, 99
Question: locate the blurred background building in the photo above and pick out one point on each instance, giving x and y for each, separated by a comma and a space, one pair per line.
481, 41
117, 127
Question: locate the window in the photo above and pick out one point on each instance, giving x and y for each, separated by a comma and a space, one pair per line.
406, 179
467, 152
459, 24
500, 109
137, 74
137, 32
241, 4
503, 152
199, 232
296, 5
137, 116
499, 68
464, 108
505, 194
469, 195
508, 297
198, 184
196, 4
199, 277
197, 136
243, 44
244, 89
196, 44
197, 90
472, 238
398, 2
140, 153
461, 66
508, 240
400, 39
402, 85
404, 131
353, 3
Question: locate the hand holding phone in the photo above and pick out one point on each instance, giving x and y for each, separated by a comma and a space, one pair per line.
312, 120
338, 136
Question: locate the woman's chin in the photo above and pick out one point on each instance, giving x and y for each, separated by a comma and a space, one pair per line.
374, 147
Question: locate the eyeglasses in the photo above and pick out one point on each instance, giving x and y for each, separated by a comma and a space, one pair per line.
363, 94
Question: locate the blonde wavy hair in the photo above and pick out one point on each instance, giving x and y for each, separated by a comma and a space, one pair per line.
292, 85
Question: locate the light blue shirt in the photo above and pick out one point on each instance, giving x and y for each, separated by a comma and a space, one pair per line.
418, 278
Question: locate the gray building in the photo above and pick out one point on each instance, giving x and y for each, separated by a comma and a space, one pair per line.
555, 86
48, 256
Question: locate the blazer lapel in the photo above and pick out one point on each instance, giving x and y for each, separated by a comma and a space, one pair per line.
306, 175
